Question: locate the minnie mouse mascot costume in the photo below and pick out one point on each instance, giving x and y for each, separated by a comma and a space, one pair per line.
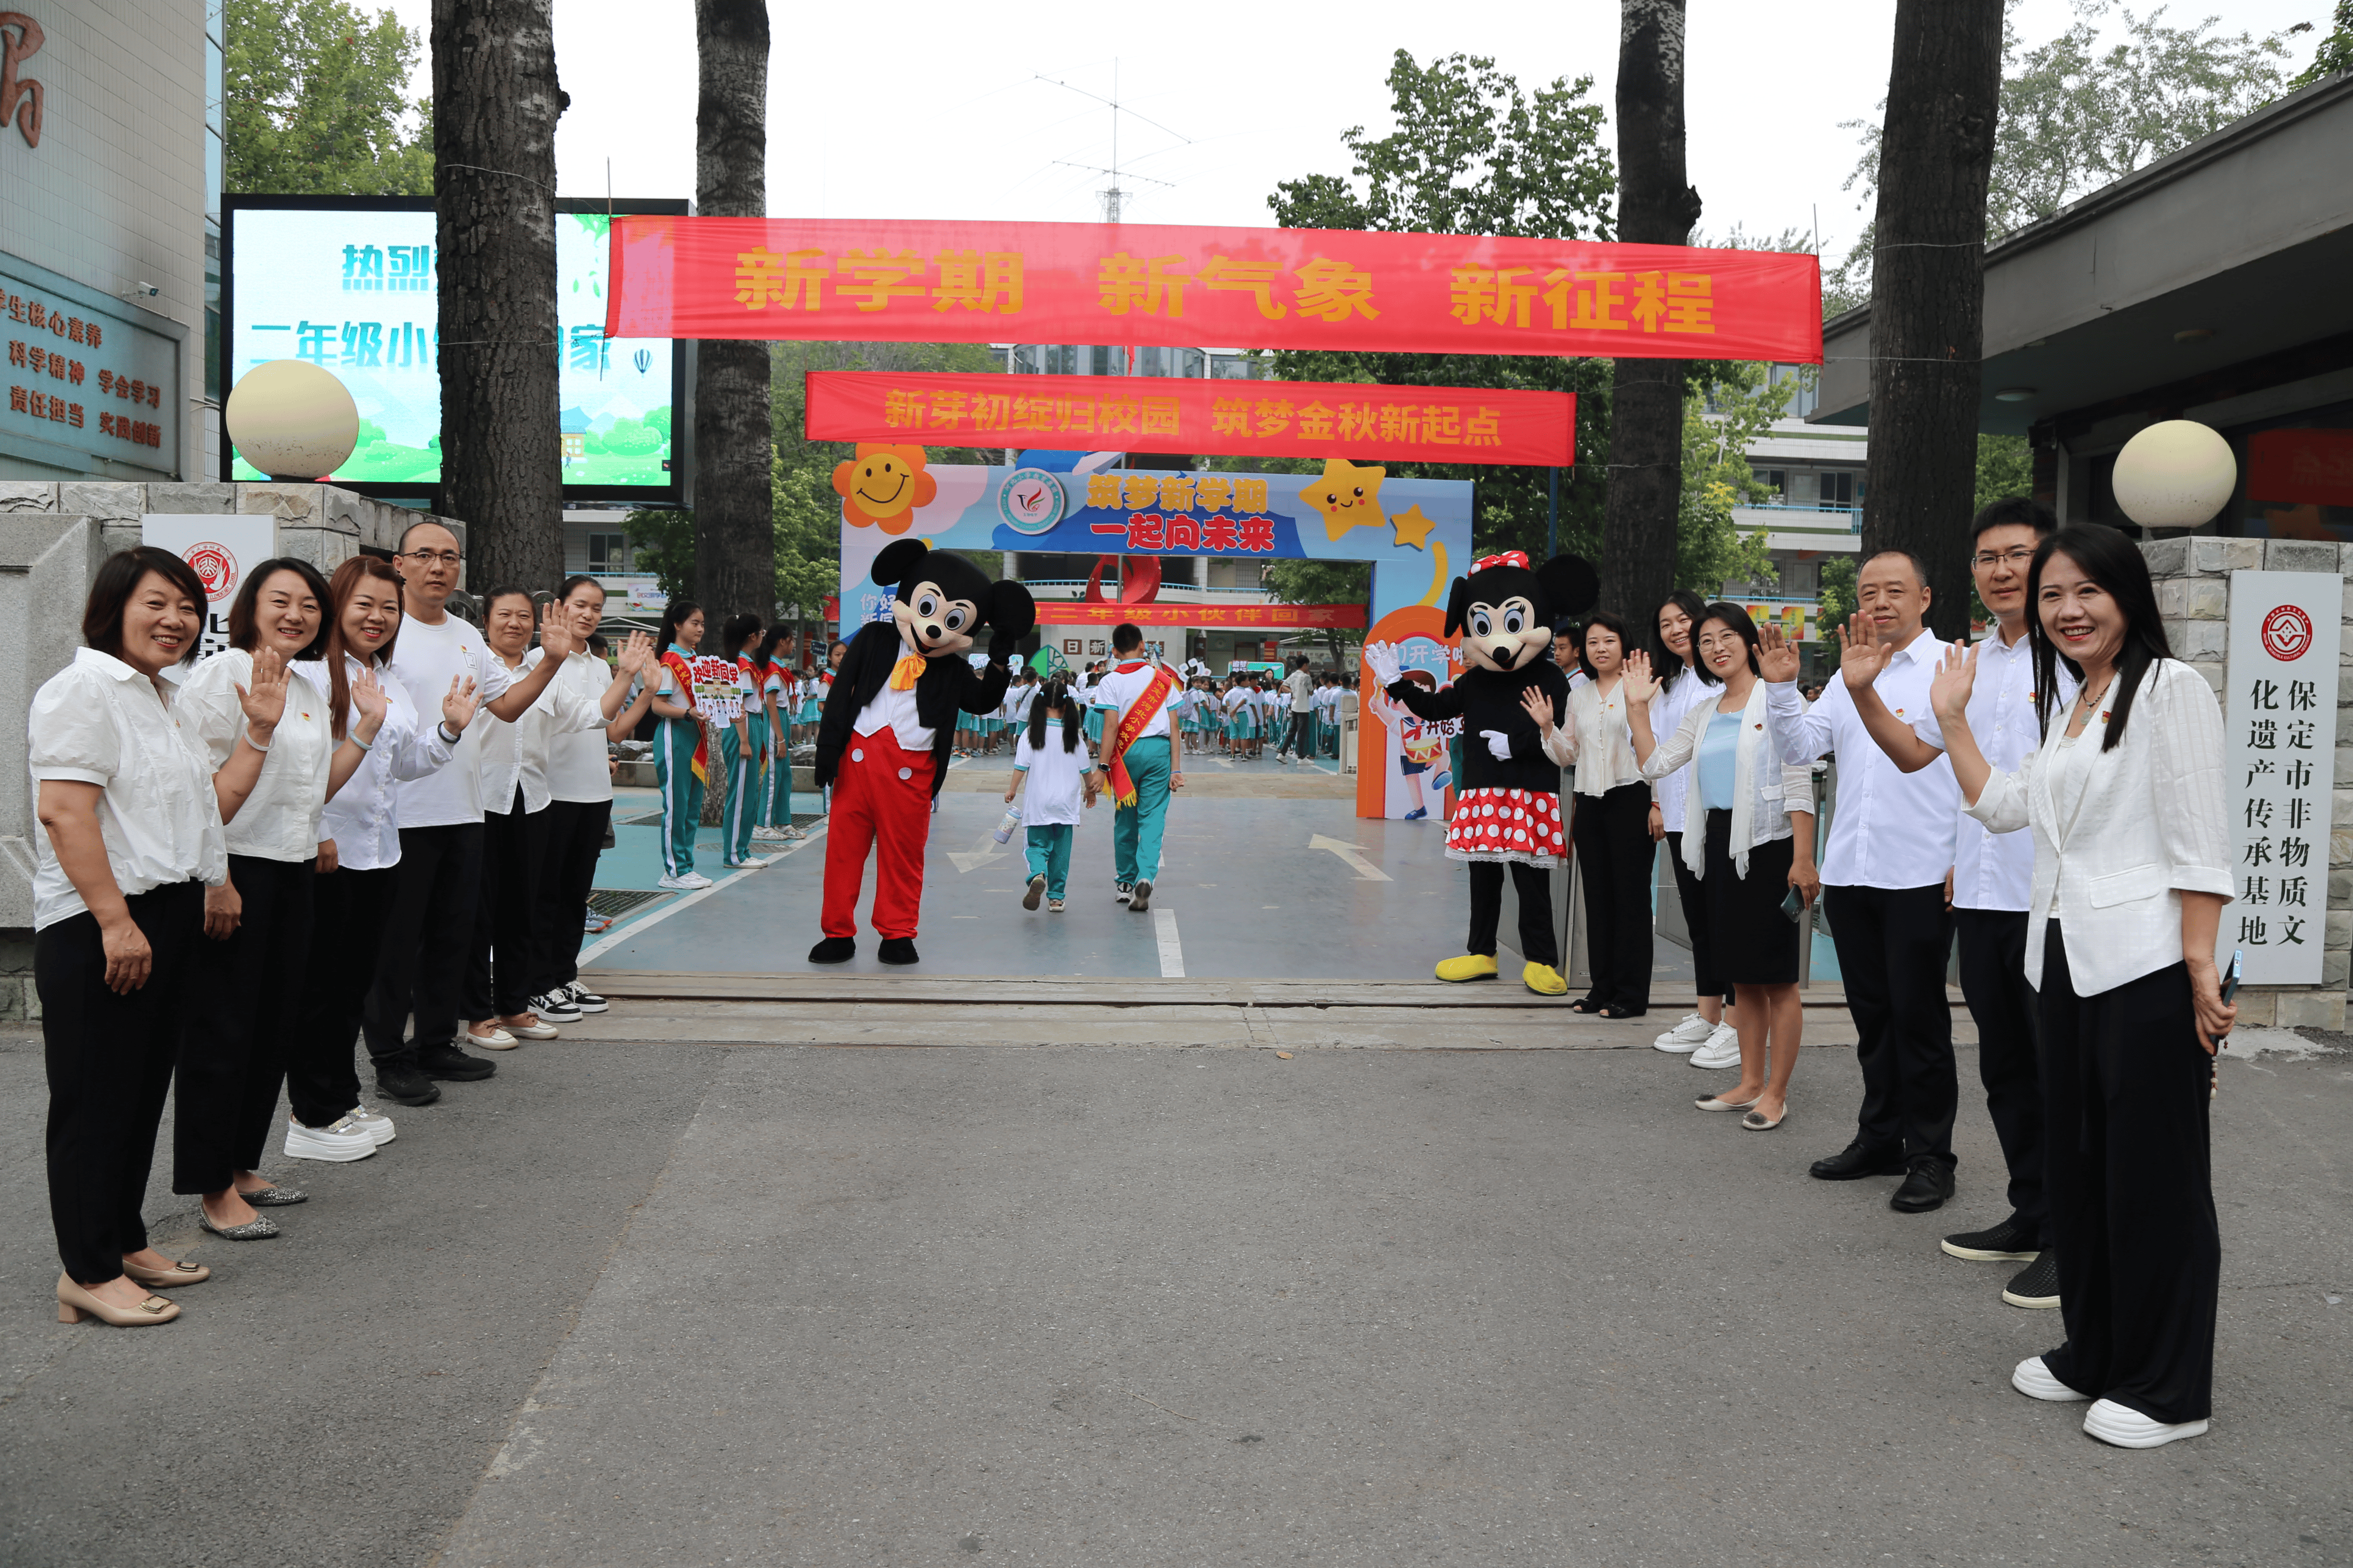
890, 719
1508, 811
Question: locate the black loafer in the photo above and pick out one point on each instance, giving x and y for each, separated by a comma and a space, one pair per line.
2011, 1241
2036, 1285
1856, 1160
450, 1063
1928, 1185
403, 1085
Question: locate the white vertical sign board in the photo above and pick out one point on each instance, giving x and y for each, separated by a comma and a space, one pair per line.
222, 547
2280, 753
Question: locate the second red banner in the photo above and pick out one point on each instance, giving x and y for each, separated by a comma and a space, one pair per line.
1221, 418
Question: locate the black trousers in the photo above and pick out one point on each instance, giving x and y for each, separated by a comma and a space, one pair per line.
348, 912
1614, 854
1534, 885
514, 842
1892, 945
1993, 983
567, 874
1692, 894
110, 1066
241, 1014
421, 965
2132, 1191
1294, 739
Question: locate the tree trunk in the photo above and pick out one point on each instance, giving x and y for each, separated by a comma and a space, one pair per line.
735, 517
495, 106
1656, 205
1928, 291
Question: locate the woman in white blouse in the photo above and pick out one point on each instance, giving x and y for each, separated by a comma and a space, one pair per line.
1749, 846
129, 812
359, 847
1703, 1033
503, 958
579, 787
240, 1024
2132, 867
1610, 830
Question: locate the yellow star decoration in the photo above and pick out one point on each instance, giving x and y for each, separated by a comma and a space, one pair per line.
1412, 528
1346, 494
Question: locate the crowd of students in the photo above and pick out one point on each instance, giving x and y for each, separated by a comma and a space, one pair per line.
368, 817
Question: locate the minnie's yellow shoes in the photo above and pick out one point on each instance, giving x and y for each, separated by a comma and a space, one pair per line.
1544, 980
1473, 966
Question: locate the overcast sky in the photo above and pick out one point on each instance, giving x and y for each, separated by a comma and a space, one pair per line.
919, 108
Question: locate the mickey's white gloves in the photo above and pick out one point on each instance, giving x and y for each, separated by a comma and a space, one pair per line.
1382, 658
1499, 744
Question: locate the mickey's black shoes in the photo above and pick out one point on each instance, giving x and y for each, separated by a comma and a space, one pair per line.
834, 950
1927, 1188
896, 949
1858, 1160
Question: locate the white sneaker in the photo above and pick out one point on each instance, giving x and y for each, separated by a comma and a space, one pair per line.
556, 1005
2128, 1429
498, 1040
2033, 1378
690, 882
749, 863
1686, 1036
585, 1000
375, 1123
1722, 1049
339, 1145
541, 1030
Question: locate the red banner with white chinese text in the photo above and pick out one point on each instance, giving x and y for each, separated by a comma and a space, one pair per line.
1346, 617
1152, 285
1229, 419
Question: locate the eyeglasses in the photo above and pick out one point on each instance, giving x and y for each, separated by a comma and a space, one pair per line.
433, 557
2021, 556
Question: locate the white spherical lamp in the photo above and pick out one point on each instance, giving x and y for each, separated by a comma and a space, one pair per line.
292, 419
2175, 474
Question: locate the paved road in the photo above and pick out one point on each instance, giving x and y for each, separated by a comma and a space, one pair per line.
673, 1303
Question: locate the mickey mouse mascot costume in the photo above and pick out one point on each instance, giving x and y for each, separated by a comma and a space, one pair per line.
889, 722
1508, 810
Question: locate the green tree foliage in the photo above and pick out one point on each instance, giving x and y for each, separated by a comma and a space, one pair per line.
663, 543
314, 101
2076, 115
2005, 468
1838, 596
2335, 55
1473, 154
1738, 405
808, 537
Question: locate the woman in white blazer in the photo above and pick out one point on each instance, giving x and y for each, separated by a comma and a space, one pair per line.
2131, 855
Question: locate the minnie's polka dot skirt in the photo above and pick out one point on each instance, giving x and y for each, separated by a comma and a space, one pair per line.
1506, 825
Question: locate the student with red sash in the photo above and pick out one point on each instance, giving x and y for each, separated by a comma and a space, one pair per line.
681, 746
1140, 757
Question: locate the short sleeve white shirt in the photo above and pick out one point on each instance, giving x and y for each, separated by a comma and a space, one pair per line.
363, 817
1888, 828
1119, 690
1056, 788
99, 721
425, 659
577, 765
279, 820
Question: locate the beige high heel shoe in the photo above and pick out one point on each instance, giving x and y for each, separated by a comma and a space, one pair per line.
163, 1279
74, 1304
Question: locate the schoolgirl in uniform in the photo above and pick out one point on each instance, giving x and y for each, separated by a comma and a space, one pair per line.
1059, 771
780, 697
682, 749
743, 747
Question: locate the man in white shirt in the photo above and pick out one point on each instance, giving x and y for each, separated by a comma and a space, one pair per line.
1891, 843
1149, 756
421, 968
1301, 688
1991, 883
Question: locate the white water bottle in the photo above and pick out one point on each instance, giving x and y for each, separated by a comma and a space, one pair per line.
1012, 821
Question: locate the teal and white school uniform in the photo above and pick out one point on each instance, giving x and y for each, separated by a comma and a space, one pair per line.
745, 760
675, 742
1051, 800
777, 799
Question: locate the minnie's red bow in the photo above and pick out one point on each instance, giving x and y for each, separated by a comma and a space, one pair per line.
1518, 558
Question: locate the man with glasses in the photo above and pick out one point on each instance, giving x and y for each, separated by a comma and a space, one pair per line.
421, 967
1989, 885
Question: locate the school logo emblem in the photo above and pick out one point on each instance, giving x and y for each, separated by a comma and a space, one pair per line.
214, 567
1031, 500
2287, 633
